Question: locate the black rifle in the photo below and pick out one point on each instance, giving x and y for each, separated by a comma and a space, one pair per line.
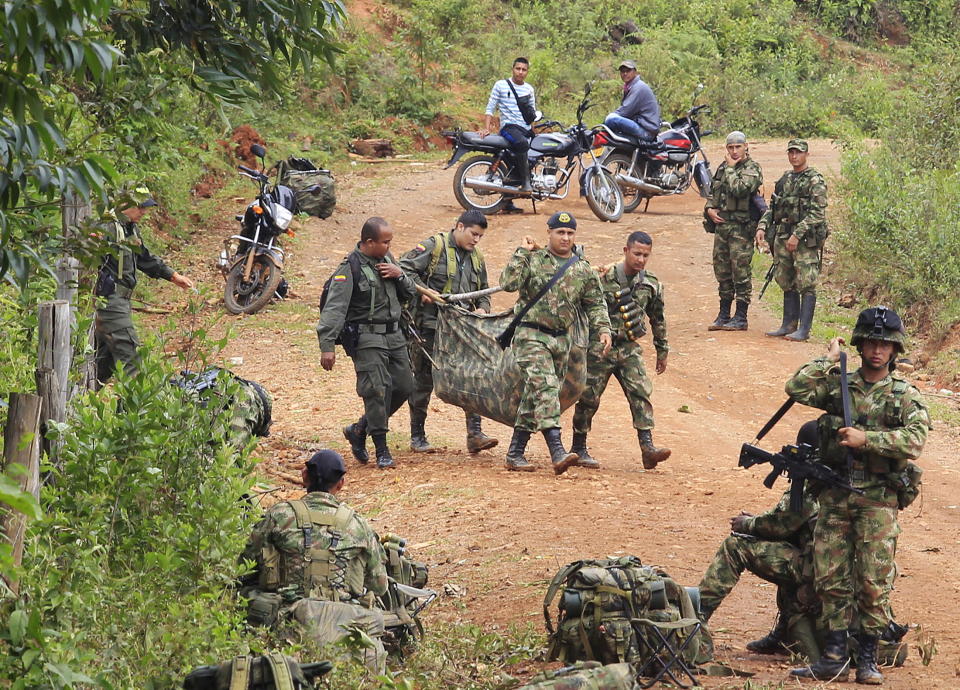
845, 400
796, 462
767, 279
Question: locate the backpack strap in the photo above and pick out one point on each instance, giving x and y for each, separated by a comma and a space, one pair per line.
240, 673
282, 680
321, 563
558, 579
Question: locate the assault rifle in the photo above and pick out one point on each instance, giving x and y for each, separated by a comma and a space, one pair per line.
797, 463
766, 281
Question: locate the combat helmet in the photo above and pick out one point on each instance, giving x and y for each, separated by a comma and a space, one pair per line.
879, 323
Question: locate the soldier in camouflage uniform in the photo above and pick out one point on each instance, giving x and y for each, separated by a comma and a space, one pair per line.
856, 535
449, 263
114, 335
795, 227
727, 213
631, 293
366, 293
250, 405
542, 341
321, 562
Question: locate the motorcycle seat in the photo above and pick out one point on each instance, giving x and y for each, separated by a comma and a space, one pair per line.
489, 140
642, 144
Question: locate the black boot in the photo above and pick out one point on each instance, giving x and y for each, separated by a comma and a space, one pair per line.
384, 459
561, 459
834, 664
650, 454
723, 317
773, 641
791, 315
418, 437
356, 434
515, 461
739, 320
476, 439
867, 671
523, 164
580, 448
807, 307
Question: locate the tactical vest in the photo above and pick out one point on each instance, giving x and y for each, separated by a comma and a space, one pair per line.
441, 244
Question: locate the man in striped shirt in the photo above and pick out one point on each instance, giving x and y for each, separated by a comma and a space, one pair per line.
514, 127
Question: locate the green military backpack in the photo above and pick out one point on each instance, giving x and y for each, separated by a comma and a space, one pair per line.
268, 672
400, 604
586, 675
602, 603
315, 188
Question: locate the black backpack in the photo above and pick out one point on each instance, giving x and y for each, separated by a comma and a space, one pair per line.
348, 336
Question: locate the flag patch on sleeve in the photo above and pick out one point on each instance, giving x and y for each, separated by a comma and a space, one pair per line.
421, 248
339, 279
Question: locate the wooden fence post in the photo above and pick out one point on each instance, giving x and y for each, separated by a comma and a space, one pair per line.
21, 446
53, 366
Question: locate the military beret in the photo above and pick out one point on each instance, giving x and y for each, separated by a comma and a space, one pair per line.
736, 137
798, 144
562, 219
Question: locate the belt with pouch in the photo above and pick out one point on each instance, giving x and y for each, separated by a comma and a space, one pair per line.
555, 332
379, 328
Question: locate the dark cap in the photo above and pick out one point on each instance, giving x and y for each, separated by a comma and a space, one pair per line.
629, 64
326, 467
148, 203
798, 144
562, 219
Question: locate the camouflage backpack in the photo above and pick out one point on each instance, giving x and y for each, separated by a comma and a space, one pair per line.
315, 188
586, 675
601, 602
268, 672
400, 608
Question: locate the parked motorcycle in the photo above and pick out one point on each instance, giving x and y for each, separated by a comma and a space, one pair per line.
667, 166
488, 181
252, 261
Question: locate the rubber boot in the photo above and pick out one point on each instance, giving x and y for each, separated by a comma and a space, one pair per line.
867, 671
418, 436
650, 454
772, 642
580, 448
356, 434
515, 460
807, 306
791, 315
739, 320
523, 164
476, 439
384, 459
561, 459
723, 317
834, 664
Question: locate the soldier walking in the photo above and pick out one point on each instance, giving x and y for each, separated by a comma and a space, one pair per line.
449, 263
795, 228
631, 293
728, 215
855, 539
364, 301
542, 342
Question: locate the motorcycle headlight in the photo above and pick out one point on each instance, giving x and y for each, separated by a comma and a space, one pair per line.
281, 216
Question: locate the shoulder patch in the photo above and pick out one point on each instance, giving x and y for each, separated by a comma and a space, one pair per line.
339, 278
420, 248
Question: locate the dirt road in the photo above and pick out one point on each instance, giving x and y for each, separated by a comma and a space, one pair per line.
500, 535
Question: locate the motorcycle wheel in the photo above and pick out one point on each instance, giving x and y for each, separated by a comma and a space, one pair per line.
487, 203
620, 163
249, 297
604, 196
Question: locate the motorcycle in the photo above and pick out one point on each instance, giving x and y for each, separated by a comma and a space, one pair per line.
252, 262
488, 181
664, 167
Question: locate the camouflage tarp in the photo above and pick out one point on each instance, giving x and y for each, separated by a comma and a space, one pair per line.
472, 371
586, 675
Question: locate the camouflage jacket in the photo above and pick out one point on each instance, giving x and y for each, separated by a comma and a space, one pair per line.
130, 254
890, 411
339, 562
732, 188
799, 207
578, 290
470, 274
375, 300
646, 298
782, 524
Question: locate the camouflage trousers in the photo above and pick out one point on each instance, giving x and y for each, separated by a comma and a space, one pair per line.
732, 253
328, 622
625, 361
246, 414
797, 270
778, 562
115, 339
543, 359
422, 373
854, 545
384, 380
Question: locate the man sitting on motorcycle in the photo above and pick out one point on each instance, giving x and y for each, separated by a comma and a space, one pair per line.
639, 112
511, 99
